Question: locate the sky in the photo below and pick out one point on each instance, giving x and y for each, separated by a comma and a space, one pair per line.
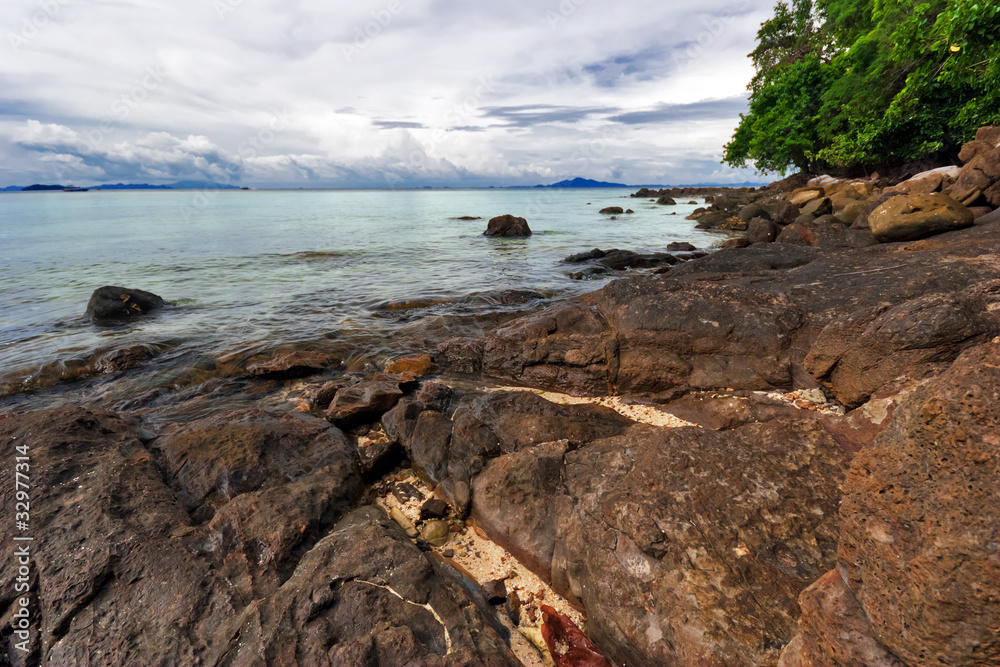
373, 93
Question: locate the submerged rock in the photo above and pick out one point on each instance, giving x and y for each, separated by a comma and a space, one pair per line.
109, 304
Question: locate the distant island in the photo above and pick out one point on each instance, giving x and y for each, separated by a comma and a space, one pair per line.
180, 185
583, 183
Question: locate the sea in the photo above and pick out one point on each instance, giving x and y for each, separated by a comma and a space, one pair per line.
366, 275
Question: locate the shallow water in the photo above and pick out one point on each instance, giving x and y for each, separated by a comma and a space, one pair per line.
365, 271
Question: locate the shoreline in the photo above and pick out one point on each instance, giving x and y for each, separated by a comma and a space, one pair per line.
728, 406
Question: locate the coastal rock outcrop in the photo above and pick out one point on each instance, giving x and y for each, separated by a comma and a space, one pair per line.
109, 304
507, 225
743, 319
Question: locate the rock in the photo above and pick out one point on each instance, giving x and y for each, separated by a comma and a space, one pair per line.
760, 230
429, 445
285, 365
666, 201
835, 632
622, 260
989, 218
864, 350
918, 539
818, 207
735, 318
514, 502
495, 591
868, 207
979, 212
612, 210
751, 211
680, 246
720, 412
629, 211
404, 523
780, 211
322, 396
436, 533
108, 304
596, 253
433, 509
803, 196
363, 402
365, 596
468, 217
124, 359
212, 460
911, 217
435, 395
825, 232
706, 538
507, 225
567, 645
741, 242
417, 365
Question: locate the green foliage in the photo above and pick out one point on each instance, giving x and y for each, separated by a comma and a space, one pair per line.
865, 82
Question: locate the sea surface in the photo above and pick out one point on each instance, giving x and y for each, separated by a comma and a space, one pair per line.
368, 273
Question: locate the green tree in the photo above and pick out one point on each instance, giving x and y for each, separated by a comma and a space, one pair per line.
869, 82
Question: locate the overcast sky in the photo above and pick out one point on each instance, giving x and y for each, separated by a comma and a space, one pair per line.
372, 93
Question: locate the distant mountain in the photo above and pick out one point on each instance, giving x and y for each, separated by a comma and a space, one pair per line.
11, 188
201, 185
584, 183
36, 186
132, 186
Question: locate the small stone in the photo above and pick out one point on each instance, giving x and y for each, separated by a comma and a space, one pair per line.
396, 515
495, 591
436, 532
448, 553
405, 492
434, 509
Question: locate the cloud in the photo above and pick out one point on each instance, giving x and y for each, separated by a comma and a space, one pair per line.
484, 93
731, 107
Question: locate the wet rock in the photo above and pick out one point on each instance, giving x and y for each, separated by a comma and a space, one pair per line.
468, 217
918, 540
417, 366
680, 246
429, 445
612, 210
741, 242
434, 509
864, 350
911, 217
379, 457
365, 401
666, 201
436, 395
124, 359
285, 365
322, 396
507, 225
400, 421
109, 305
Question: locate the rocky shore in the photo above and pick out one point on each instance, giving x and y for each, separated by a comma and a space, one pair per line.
818, 486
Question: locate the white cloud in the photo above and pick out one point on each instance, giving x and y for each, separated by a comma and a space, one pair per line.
477, 93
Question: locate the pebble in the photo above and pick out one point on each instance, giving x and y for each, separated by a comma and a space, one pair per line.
436, 532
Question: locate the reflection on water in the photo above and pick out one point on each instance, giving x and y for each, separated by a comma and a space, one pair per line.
364, 275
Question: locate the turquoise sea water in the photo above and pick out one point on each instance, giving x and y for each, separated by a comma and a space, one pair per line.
259, 268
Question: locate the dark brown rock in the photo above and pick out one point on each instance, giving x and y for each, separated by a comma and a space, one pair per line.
864, 350
680, 246
919, 537
666, 201
434, 508
818, 207
124, 359
721, 412
612, 210
284, 365
363, 402
109, 305
507, 225
495, 591
429, 445
760, 230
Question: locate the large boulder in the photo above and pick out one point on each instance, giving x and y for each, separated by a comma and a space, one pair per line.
109, 304
919, 539
507, 225
912, 217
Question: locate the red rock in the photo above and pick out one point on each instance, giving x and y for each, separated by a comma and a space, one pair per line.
418, 366
567, 644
